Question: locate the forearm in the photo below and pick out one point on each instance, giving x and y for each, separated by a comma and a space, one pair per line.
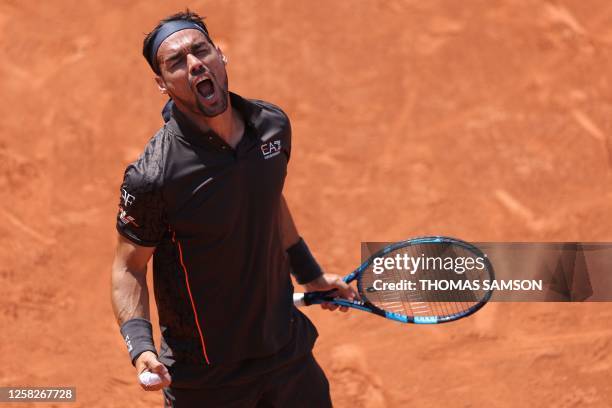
130, 296
130, 300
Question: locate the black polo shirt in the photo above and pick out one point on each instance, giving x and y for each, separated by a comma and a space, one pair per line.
221, 275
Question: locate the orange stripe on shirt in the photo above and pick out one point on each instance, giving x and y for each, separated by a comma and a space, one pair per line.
197, 320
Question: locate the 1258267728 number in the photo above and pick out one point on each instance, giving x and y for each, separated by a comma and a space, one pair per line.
63, 394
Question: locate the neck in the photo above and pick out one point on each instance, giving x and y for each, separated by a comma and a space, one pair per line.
227, 125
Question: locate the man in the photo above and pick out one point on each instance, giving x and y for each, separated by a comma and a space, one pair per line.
205, 200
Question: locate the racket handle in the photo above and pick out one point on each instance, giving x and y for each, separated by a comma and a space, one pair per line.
311, 298
298, 300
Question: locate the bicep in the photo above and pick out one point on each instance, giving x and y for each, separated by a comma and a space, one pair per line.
130, 257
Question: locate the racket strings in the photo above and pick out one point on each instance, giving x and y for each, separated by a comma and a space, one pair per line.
447, 303
417, 294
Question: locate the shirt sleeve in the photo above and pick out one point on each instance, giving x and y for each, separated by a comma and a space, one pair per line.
141, 209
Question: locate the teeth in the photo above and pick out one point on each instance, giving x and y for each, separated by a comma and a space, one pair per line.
210, 93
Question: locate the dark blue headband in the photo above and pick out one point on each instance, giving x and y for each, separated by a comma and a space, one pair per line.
166, 31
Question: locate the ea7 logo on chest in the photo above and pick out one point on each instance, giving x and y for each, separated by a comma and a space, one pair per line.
271, 149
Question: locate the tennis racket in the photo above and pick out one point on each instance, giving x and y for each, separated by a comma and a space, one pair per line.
450, 281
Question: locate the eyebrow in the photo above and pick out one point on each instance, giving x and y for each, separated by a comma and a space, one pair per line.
178, 54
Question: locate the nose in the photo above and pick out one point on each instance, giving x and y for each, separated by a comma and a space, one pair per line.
195, 65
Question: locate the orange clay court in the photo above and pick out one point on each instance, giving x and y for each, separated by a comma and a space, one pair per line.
484, 120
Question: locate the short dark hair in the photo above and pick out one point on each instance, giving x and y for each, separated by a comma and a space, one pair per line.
186, 15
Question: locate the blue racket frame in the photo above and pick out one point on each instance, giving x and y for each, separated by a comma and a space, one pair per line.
311, 298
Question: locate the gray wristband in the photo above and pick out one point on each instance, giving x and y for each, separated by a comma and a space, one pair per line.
138, 336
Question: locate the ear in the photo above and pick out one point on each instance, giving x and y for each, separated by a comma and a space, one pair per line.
223, 57
161, 85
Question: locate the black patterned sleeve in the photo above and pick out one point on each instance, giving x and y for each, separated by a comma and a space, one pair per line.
141, 209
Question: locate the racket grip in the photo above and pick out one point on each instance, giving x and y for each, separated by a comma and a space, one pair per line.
298, 300
312, 298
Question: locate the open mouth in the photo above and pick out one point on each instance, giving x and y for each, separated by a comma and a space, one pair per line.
206, 89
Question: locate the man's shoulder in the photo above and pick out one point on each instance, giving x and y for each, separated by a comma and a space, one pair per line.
267, 106
269, 109
149, 166
270, 115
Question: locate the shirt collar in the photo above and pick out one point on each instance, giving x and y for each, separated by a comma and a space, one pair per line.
185, 128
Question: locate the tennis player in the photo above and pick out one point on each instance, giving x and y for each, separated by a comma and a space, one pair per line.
205, 201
